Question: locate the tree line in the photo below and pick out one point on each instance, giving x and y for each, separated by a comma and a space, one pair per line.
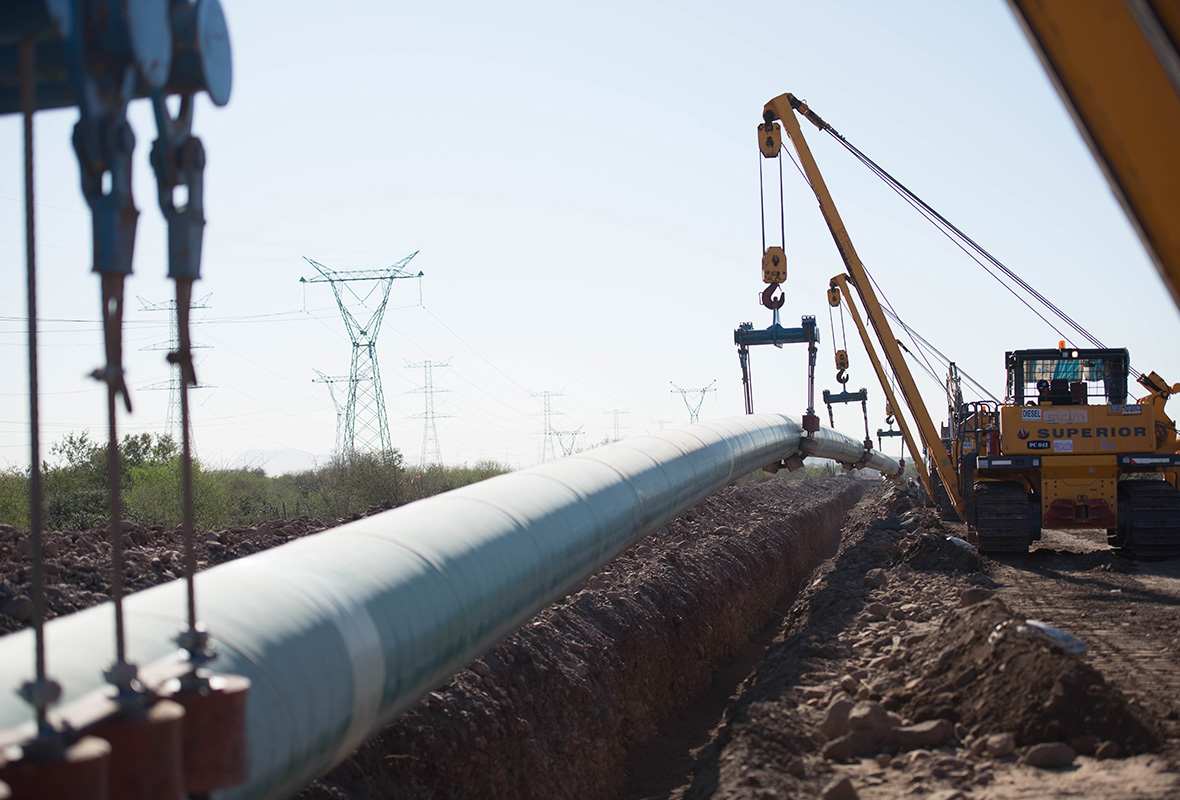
74, 479
76, 493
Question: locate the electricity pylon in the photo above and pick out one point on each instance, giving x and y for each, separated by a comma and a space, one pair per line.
172, 415
567, 450
366, 427
430, 444
694, 411
340, 407
547, 451
615, 428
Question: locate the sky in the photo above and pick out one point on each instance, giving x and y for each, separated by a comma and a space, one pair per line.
581, 185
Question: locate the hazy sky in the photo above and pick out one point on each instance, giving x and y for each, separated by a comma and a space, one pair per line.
581, 183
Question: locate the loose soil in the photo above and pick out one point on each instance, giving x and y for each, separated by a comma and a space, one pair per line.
77, 564
906, 622
774, 641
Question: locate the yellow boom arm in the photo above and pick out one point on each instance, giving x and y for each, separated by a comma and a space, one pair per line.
838, 287
1117, 67
781, 108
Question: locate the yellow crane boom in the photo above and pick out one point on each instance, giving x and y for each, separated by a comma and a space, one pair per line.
782, 109
838, 287
1116, 65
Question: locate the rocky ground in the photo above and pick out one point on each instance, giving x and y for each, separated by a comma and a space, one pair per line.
907, 668
77, 564
774, 641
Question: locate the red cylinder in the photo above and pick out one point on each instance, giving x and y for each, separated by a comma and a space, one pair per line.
81, 774
215, 752
146, 753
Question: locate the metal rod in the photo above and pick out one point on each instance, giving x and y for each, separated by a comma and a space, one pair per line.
116, 526
36, 499
184, 288
112, 309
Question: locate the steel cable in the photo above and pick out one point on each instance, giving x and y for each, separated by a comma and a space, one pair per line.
956, 235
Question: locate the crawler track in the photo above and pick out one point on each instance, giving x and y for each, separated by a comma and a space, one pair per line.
1002, 517
1149, 519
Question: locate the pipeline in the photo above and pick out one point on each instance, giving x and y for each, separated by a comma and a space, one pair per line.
343, 631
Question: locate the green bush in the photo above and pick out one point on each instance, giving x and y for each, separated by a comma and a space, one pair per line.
14, 498
75, 482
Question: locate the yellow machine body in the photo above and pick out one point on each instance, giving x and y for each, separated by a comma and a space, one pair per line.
1081, 430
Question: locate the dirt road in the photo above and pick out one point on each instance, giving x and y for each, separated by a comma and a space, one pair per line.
900, 672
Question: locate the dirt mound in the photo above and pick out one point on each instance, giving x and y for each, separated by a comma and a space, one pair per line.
933, 552
884, 673
1003, 678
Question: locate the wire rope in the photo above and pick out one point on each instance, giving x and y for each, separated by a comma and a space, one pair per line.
963, 241
40, 695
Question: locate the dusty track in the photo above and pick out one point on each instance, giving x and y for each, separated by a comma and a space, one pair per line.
1127, 612
915, 637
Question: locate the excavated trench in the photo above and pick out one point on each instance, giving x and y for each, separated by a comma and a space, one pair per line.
555, 709
717, 659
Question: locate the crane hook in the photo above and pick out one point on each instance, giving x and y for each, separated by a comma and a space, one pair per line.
770, 300
842, 376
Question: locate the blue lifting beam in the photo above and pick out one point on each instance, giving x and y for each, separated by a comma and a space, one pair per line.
745, 336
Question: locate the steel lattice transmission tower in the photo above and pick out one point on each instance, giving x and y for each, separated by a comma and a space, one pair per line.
616, 428
567, 450
366, 427
547, 450
430, 444
172, 421
340, 407
694, 408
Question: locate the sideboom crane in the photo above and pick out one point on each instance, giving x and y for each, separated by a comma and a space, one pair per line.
1064, 449
781, 109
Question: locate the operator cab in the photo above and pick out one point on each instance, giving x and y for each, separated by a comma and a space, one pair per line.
1068, 376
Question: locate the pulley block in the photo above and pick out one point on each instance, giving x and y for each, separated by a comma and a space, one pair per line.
774, 265
770, 139
842, 362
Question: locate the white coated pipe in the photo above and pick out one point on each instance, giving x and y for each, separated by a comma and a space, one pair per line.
342, 631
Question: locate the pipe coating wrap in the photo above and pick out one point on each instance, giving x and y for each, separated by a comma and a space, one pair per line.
342, 631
